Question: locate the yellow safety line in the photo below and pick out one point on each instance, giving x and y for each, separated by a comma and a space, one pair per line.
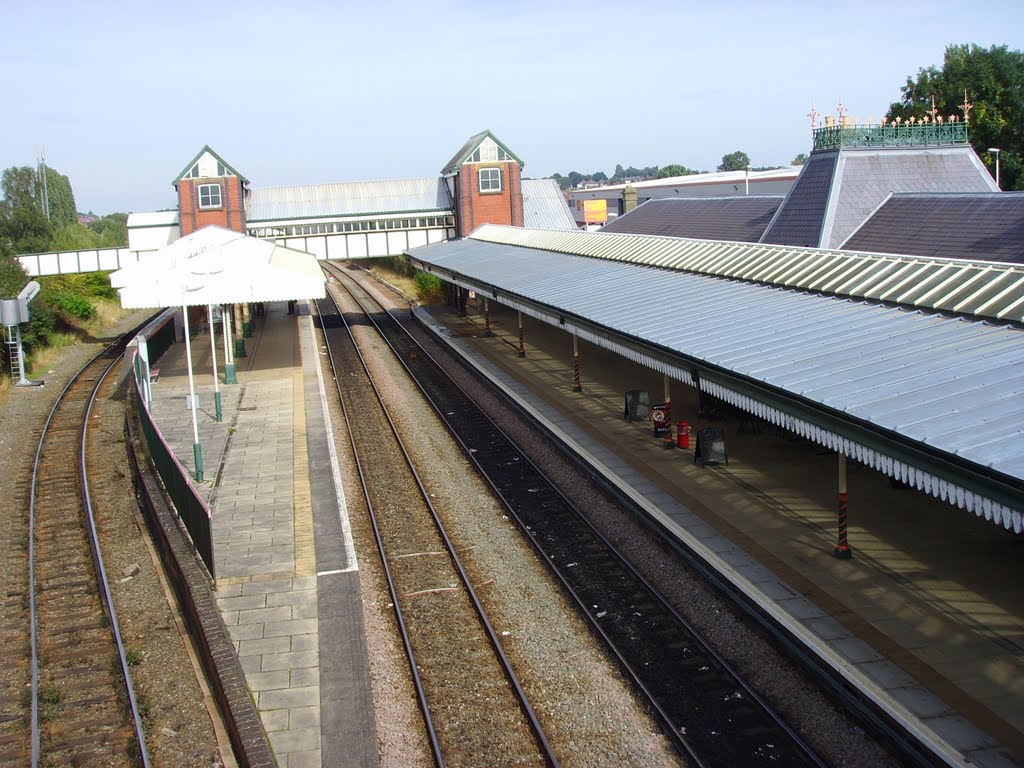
305, 555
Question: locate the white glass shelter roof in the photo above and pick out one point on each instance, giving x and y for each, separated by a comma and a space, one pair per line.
217, 266
932, 399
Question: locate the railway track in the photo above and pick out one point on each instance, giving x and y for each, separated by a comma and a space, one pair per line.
705, 707
474, 709
83, 708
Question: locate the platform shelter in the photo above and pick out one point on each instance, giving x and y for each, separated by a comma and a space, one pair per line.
216, 267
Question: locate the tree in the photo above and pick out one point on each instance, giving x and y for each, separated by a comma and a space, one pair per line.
74, 237
734, 161
23, 226
620, 172
599, 176
799, 159
112, 230
61, 199
994, 81
675, 170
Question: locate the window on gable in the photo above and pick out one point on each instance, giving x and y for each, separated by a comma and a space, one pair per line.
210, 196
490, 180
193, 172
221, 170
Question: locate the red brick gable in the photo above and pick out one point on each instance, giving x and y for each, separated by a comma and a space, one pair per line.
474, 207
230, 214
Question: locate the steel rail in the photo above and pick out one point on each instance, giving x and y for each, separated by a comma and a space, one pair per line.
118, 346
421, 695
889, 732
671, 727
492, 635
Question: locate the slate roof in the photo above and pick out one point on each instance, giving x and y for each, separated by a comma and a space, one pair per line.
865, 178
544, 207
988, 226
742, 219
800, 218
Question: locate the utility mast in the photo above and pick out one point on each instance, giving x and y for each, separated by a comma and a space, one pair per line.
44, 195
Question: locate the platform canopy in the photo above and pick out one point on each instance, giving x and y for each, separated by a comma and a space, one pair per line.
217, 266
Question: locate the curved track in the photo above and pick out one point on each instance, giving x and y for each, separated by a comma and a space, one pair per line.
457, 663
83, 708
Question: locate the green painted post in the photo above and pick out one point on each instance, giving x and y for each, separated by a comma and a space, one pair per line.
229, 370
218, 413
197, 452
239, 347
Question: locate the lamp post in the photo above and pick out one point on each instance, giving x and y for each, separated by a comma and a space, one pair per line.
995, 151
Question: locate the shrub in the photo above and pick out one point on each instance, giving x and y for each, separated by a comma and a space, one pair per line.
429, 288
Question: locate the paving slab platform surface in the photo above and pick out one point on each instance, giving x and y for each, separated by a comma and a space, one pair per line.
287, 581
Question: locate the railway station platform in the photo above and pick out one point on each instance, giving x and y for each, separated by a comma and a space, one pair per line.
927, 616
287, 582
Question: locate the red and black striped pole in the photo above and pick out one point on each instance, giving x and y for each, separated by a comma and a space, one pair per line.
576, 385
522, 349
487, 318
842, 550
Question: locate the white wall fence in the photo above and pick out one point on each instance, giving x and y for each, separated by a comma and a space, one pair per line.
365, 245
73, 262
356, 245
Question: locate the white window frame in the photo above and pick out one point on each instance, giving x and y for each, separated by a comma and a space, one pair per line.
493, 177
206, 191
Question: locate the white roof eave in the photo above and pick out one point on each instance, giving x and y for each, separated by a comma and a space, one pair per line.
217, 266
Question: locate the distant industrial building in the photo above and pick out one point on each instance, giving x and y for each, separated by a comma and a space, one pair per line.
605, 204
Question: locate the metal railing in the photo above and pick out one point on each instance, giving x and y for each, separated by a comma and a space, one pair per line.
890, 135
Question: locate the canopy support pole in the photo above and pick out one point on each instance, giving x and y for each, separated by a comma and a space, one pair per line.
522, 349
218, 413
229, 358
576, 385
842, 550
666, 390
197, 449
487, 318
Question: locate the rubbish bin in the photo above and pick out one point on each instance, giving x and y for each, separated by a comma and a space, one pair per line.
638, 405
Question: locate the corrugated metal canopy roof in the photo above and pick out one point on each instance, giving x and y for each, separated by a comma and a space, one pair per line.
983, 289
544, 207
352, 198
880, 383
217, 266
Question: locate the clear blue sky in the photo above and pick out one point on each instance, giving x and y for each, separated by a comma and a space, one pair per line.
123, 94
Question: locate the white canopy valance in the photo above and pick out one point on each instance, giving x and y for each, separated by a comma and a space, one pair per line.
217, 266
